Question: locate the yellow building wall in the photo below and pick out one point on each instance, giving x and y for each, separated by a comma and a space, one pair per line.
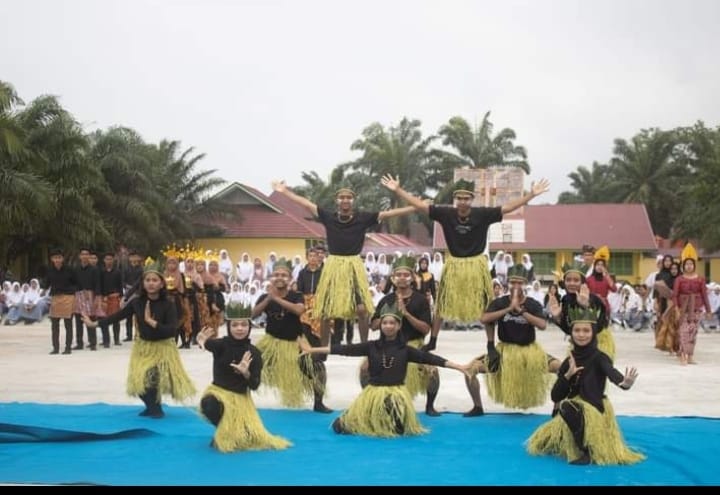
260, 248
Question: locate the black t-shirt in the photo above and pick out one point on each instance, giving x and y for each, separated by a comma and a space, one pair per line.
346, 239
468, 238
417, 306
283, 324
515, 329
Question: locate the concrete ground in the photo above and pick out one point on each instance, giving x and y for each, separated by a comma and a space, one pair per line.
664, 387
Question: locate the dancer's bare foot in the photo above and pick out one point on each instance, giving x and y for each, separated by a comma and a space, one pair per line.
683, 358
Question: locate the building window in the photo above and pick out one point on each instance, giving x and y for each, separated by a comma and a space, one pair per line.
621, 264
543, 265
507, 236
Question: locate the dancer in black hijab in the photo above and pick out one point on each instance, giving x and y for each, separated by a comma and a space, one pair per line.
227, 403
585, 430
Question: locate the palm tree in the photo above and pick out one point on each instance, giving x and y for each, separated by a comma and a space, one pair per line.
400, 151
699, 216
62, 147
590, 185
474, 148
645, 170
127, 199
25, 197
187, 207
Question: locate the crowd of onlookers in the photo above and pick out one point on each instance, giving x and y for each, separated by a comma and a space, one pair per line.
632, 306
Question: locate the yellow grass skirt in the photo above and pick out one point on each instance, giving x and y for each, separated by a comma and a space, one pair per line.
282, 372
164, 356
523, 380
241, 427
606, 342
342, 278
602, 437
418, 375
368, 414
465, 289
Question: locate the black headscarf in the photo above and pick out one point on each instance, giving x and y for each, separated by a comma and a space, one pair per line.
583, 355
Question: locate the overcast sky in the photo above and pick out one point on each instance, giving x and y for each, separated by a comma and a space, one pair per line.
268, 88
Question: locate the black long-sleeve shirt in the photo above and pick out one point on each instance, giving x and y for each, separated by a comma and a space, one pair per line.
162, 310
88, 278
588, 383
388, 359
110, 282
61, 281
227, 351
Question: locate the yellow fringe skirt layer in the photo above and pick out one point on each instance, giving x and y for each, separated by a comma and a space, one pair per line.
282, 372
165, 358
465, 289
374, 411
602, 437
606, 342
241, 427
343, 278
523, 380
418, 375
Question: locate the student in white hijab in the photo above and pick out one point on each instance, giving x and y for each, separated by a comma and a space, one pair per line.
297, 265
225, 265
32, 307
13, 301
528, 264
371, 266
436, 266
536, 292
235, 296
245, 269
499, 267
382, 266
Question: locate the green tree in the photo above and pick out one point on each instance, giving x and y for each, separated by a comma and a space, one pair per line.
646, 170
400, 151
699, 208
25, 197
473, 147
590, 185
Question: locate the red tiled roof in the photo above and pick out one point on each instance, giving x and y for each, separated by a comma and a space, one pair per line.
297, 211
377, 243
261, 221
620, 226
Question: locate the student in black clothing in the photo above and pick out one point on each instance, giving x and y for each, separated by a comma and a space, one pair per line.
111, 293
132, 283
585, 429
155, 367
578, 295
465, 285
227, 403
88, 286
516, 371
62, 285
295, 378
415, 325
344, 291
384, 408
